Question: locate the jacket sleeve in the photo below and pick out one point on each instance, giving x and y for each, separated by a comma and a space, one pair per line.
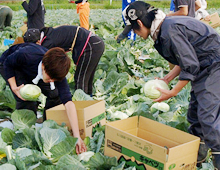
31, 7
185, 55
13, 61
64, 91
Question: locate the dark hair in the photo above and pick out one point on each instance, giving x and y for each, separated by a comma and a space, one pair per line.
145, 12
56, 63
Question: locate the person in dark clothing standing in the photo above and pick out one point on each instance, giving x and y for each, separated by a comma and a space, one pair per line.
35, 13
87, 49
5, 16
193, 47
29, 63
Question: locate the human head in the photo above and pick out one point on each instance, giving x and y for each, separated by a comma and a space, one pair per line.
135, 11
32, 35
56, 63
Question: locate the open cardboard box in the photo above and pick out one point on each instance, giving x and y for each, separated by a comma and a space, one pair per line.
214, 22
147, 144
90, 113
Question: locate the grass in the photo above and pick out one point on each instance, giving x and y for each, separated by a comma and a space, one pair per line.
97, 4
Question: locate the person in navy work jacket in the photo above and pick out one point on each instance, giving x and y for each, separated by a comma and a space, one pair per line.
29, 63
35, 13
193, 47
87, 49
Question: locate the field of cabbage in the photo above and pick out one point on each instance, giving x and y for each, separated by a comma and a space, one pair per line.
119, 80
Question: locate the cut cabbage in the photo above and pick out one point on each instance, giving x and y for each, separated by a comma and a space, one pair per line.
150, 90
30, 92
164, 107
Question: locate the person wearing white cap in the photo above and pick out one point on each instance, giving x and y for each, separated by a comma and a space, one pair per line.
193, 47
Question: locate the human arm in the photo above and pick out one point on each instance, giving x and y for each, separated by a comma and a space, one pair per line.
172, 74
183, 11
30, 7
166, 94
14, 87
72, 115
197, 5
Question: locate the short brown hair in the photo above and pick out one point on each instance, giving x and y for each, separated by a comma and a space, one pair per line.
56, 63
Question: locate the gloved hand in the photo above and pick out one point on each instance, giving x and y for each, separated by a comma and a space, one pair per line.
120, 37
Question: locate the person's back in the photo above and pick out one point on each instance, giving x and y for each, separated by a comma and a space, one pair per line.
5, 16
35, 13
193, 31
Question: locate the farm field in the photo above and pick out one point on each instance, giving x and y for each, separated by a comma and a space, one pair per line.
119, 80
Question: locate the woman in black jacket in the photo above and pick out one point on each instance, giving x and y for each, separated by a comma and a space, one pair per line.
87, 49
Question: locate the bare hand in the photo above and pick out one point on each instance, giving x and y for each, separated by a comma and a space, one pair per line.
165, 94
16, 91
80, 146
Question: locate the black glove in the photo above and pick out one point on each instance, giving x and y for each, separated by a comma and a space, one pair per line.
120, 37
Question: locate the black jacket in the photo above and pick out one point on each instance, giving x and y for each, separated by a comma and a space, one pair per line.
26, 57
63, 37
35, 13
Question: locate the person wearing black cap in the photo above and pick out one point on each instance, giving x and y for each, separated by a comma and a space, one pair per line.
30, 63
5, 16
87, 49
35, 13
193, 47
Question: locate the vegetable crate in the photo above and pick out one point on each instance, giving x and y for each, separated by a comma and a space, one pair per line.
214, 22
147, 144
90, 114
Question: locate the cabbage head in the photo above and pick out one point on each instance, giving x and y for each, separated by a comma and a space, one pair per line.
30, 92
164, 107
151, 92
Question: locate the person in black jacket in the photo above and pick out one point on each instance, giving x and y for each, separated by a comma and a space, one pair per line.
35, 13
193, 47
29, 63
87, 49
5, 16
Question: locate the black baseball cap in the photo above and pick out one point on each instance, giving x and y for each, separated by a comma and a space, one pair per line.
32, 35
134, 11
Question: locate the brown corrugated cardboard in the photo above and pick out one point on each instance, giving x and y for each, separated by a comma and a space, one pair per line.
214, 22
90, 113
150, 145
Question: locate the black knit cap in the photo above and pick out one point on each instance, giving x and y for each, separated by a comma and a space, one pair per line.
32, 35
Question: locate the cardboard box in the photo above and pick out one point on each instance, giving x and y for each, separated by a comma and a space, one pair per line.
214, 22
147, 144
90, 113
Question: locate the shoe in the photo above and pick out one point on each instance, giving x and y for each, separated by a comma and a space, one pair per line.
202, 154
216, 160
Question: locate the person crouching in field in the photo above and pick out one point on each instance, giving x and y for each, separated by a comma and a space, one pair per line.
5, 16
87, 49
29, 63
193, 47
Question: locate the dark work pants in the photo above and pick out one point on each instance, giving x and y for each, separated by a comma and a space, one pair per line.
204, 108
52, 95
88, 62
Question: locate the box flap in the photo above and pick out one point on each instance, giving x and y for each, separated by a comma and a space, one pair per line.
177, 136
215, 20
124, 135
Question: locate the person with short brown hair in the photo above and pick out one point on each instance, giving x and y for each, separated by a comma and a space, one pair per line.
29, 63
